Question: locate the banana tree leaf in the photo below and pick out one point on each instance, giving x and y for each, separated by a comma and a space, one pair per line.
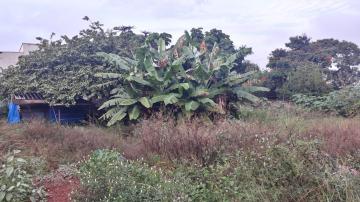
171, 99
200, 92
241, 94
207, 101
254, 89
114, 60
109, 113
139, 80
162, 98
161, 46
118, 102
109, 75
148, 64
184, 86
145, 102
214, 91
200, 74
236, 76
191, 106
134, 113
116, 118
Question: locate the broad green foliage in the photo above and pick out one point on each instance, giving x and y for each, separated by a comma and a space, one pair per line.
183, 78
344, 102
16, 182
63, 70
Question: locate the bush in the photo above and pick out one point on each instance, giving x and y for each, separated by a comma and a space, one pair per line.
16, 181
282, 173
344, 102
285, 172
307, 79
106, 176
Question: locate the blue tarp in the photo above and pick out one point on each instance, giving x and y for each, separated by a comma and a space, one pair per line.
13, 115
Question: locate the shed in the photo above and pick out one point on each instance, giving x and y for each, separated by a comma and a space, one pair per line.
34, 106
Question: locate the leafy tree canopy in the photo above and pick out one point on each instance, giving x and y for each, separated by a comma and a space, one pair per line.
336, 59
63, 70
327, 53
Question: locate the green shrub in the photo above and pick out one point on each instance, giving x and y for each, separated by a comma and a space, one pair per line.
16, 182
307, 79
106, 176
282, 173
299, 171
344, 102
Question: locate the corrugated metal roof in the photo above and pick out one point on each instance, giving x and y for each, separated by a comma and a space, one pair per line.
28, 96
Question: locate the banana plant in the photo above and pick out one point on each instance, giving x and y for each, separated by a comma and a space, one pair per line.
184, 77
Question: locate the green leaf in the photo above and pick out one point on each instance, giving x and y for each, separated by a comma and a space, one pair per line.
114, 60
2, 195
217, 91
9, 171
171, 99
200, 92
118, 102
116, 118
161, 46
149, 64
254, 89
191, 106
134, 113
245, 95
145, 102
109, 75
10, 188
21, 160
10, 158
139, 80
185, 86
9, 196
207, 101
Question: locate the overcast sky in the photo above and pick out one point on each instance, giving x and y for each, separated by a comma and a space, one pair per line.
261, 24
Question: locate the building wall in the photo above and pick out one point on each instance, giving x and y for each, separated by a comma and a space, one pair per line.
8, 58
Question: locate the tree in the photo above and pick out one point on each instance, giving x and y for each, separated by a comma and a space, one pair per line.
63, 70
298, 42
158, 78
325, 54
307, 80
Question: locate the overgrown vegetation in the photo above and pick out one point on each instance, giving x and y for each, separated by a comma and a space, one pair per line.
16, 181
188, 122
312, 63
344, 102
185, 78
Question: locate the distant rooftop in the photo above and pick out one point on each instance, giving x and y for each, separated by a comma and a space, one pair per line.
8, 58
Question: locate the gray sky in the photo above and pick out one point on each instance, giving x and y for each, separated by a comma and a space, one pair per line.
261, 24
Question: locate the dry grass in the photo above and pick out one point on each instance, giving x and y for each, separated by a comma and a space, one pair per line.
60, 144
195, 140
340, 137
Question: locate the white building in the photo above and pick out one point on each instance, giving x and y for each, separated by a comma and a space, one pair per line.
8, 58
